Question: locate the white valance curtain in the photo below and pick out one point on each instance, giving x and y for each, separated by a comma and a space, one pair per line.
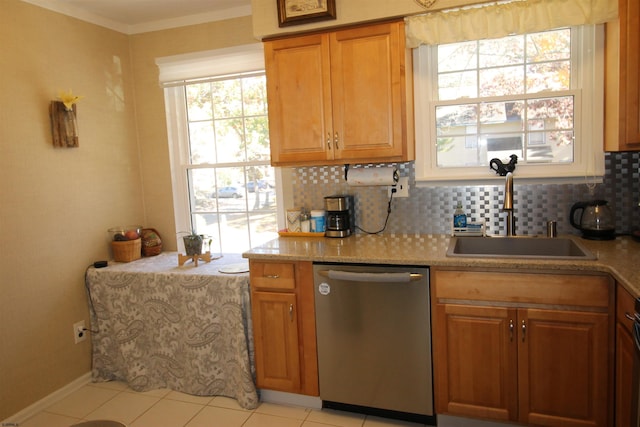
500, 19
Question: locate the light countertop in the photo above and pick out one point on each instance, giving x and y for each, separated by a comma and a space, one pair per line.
619, 257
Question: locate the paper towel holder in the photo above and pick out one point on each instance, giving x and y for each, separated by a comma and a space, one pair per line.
395, 177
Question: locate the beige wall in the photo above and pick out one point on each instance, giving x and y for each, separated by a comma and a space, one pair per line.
57, 203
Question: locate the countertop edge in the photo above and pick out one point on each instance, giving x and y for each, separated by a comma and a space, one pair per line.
616, 258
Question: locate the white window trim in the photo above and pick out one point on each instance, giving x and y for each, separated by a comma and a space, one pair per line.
589, 152
176, 70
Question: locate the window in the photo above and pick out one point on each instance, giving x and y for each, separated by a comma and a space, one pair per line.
224, 187
535, 95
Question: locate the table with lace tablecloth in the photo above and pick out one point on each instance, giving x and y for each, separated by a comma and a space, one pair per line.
155, 324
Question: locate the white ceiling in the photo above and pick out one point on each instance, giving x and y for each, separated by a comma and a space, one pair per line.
136, 16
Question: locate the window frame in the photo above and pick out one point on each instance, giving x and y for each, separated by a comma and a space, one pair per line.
179, 150
588, 86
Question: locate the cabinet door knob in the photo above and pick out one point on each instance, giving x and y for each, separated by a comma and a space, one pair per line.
524, 330
511, 330
291, 312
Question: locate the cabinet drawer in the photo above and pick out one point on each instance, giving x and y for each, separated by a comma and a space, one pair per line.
523, 288
272, 275
625, 304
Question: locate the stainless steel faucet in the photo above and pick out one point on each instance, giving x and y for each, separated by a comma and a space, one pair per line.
508, 204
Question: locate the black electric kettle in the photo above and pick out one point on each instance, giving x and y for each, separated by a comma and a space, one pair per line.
594, 218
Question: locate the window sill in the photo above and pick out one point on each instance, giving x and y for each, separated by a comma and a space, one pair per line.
499, 180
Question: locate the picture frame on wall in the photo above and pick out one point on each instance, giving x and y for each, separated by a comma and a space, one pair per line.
296, 12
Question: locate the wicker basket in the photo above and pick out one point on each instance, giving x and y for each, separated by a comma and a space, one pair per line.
127, 251
151, 242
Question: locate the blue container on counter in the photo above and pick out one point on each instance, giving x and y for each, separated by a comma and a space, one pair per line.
317, 221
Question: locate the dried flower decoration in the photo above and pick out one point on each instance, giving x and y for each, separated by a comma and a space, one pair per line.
68, 99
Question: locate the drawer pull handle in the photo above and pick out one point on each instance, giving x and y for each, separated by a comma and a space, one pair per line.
272, 276
628, 316
511, 330
524, 330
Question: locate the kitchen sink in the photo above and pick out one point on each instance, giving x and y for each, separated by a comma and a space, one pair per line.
518, 247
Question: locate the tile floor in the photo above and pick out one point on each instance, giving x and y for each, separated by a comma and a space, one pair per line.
166, 408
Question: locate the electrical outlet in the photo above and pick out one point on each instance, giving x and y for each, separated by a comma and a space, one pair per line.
79, 332
402, 187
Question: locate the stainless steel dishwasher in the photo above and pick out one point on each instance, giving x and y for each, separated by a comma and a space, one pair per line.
374, 339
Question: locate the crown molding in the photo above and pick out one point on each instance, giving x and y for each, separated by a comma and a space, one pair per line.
201, 18
163, 24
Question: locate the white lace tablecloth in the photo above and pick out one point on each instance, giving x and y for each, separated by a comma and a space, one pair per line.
158, 325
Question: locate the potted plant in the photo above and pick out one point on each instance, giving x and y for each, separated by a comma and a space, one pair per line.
193, 243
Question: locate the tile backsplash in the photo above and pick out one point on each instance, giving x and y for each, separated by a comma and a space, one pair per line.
429, 210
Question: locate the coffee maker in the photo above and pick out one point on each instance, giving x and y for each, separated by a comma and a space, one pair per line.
340, 216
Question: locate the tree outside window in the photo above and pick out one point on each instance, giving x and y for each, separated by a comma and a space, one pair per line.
232, 197
511, 95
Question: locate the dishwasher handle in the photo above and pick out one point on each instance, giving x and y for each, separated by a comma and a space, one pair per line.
353, 276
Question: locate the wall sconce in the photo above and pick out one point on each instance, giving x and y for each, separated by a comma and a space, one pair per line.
64, 126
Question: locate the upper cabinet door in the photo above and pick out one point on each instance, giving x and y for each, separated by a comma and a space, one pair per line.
299, 97
369, 101
631, 32
622, 109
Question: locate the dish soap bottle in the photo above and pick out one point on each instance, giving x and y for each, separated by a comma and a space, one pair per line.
459, 217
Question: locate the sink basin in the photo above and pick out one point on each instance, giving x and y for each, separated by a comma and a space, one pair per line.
518, 247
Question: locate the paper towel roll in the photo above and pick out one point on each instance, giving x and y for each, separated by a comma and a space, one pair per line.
372, 176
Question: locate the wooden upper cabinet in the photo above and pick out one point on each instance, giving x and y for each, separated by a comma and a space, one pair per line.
622, 91
341, 97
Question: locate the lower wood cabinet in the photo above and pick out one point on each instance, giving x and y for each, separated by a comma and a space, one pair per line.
625, 350
527, 348
283, 315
